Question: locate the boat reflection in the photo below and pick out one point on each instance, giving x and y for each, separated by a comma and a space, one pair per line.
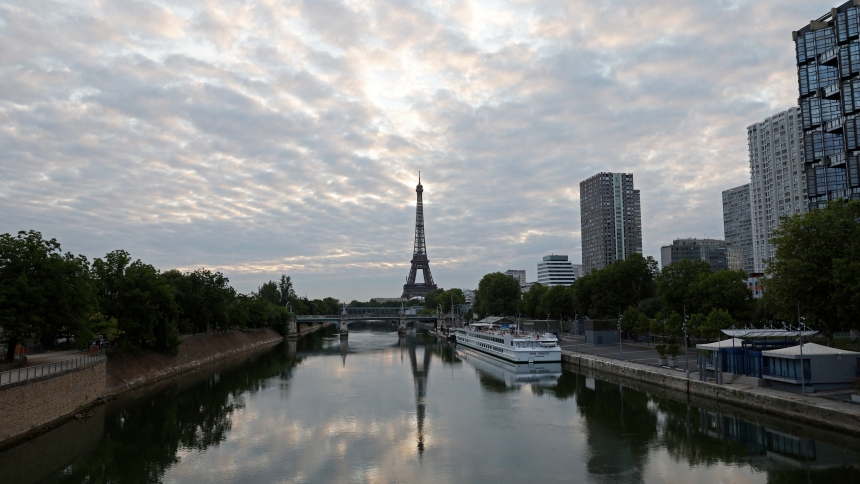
513, 375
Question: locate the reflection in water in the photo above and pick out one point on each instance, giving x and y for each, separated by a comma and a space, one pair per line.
302, 414
419, 376
512, 375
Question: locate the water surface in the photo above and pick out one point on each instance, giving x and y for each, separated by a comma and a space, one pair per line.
383, 408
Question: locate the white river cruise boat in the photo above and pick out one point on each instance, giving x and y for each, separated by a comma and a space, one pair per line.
510, 344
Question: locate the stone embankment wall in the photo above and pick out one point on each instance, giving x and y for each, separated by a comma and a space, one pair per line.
32, 403
833, 414
127, 371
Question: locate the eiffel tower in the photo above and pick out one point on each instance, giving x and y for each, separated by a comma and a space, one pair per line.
419, 255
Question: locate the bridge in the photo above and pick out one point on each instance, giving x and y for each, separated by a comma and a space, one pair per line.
399, 316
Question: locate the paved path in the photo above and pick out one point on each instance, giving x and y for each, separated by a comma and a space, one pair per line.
633, 352
53, 357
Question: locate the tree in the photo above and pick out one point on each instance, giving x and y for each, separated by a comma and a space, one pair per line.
140, 299
676, 282
556, 302
433, 299
497, 294
813, 265
269, 291
285, 290
634, 320
451, 296
604, 292
722, 290
532, 299
718, 319
43, 292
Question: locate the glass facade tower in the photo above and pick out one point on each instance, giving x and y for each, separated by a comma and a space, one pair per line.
828, 72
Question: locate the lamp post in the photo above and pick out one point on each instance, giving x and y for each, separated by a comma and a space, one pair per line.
802, 369
686, 350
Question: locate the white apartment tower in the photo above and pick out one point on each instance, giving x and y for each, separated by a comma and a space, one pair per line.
777, 180
556, 270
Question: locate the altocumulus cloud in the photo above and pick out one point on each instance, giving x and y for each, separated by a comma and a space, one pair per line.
259, 137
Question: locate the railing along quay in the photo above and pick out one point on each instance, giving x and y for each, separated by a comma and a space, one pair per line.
31, 372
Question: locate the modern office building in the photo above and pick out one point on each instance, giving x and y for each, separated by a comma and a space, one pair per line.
828, 64
577, 270
611, 219
712, 251
519, 275
777, 182
737, 227
555, 270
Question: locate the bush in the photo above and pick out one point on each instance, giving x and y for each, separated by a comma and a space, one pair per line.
673, 349
661, 349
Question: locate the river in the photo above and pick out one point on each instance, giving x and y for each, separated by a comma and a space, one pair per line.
382, 408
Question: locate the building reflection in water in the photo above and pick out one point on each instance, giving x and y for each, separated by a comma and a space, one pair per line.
624, 425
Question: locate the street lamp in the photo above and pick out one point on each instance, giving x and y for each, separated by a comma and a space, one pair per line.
686, 350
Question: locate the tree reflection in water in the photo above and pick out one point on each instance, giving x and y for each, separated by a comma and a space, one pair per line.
176, 420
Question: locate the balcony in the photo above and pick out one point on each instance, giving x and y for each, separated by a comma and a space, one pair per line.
829, 56
832, 90
834, 124
836, 160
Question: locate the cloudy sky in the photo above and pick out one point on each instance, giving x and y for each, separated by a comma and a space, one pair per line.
278, 136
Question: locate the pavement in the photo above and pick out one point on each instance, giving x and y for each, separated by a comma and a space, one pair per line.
628, 351
53, 357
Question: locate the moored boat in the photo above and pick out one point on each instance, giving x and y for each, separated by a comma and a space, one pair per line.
510, 344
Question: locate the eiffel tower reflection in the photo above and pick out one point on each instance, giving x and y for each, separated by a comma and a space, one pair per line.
419, 376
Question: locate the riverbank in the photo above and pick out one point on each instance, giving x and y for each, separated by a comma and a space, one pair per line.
126, 371
837, 415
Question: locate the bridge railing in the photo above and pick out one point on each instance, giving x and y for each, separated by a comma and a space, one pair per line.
31, 372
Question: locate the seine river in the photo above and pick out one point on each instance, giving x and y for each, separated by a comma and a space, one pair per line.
386, 409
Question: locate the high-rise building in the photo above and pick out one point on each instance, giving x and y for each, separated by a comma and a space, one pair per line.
712, 251
611, 219
777, 183
555, 270
737, 227
828, 64
519, 275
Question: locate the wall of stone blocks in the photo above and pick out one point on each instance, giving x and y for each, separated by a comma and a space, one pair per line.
27, 405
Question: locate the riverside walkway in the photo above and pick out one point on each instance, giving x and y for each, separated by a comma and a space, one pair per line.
825, 408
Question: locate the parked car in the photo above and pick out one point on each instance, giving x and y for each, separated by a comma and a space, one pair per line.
101, 343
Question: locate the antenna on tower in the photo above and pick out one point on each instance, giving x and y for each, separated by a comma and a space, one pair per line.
419, 177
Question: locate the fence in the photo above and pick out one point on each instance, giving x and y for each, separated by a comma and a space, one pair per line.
30, 372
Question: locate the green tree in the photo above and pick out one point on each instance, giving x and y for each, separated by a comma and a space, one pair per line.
532, 299
433, 299
603, 293
634, 320
722, 290
812, 268
455, 296
696, 326
141, 301
556, 303
718, 319
497, 294
676, 283
269, 291
43, 292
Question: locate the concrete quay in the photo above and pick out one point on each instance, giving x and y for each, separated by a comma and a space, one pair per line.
817, 410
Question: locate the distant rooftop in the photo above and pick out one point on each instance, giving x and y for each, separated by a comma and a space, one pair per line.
554, 257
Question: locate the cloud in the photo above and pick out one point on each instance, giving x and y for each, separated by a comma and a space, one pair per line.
263, 137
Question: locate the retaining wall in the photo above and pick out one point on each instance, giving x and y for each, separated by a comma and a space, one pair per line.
32, 403
833, 414
127, 371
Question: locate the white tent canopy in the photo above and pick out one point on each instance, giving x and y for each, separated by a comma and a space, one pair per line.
728, 343
808, 349
767, 333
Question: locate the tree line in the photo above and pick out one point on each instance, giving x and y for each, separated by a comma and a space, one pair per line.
813, 279
46, 294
